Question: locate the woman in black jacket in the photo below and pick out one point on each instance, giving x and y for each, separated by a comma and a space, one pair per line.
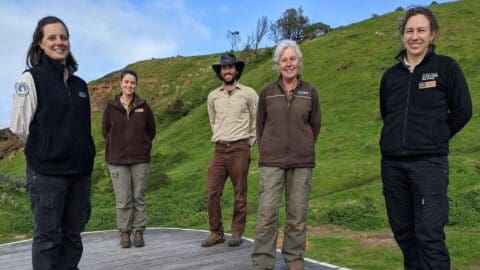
51, 114
424, 102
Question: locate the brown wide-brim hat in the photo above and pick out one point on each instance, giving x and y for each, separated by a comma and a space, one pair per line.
229, 59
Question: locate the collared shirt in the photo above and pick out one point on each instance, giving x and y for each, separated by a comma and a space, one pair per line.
232, 115
410, 67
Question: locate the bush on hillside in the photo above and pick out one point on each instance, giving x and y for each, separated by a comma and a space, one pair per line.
357, 215
7, 199
11, 183
465, 209
178, 108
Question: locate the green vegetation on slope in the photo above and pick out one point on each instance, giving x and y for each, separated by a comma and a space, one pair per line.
346, 66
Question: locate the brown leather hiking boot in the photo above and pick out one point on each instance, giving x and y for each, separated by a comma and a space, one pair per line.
236, 239
125, 239
296, 265
138, 239
213, 239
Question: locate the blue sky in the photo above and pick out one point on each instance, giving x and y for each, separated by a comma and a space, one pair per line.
108, 35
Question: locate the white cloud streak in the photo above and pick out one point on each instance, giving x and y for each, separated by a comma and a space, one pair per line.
105, 35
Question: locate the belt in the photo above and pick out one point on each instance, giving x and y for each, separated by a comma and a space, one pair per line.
227, 143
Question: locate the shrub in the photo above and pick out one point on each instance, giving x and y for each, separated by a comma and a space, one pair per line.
357, 215
177, 108
7, 198
465, 209
11, 181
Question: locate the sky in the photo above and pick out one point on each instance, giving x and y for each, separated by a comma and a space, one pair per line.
108, 35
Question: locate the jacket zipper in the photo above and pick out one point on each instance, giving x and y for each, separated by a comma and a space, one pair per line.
74, 112
128, 130
129, 112
287, 131
404, 132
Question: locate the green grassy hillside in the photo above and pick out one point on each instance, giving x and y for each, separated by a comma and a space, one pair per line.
347, 220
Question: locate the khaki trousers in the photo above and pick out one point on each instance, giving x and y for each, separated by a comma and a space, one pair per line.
129, 184
297, 184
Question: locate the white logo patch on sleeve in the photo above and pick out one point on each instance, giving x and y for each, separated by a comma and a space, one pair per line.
21, 88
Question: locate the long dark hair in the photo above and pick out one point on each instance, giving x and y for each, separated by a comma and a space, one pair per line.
35, 53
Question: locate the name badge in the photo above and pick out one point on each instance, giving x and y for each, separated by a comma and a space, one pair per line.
139, 110
301, 92
427, 84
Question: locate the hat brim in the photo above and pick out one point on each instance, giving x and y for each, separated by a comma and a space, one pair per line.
240, 65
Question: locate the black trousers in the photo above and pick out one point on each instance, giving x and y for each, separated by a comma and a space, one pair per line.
60, 209
415, 193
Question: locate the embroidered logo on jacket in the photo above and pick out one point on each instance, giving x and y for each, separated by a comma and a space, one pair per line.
82, 94
21, 88
429, 76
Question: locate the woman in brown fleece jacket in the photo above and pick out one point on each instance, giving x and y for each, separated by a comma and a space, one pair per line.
129, 127
288, 125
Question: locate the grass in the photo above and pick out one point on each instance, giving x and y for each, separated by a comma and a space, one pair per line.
346, 66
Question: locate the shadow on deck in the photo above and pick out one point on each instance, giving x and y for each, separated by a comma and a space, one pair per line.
165, 249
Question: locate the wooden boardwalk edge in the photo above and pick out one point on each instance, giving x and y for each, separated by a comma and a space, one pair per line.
190, 241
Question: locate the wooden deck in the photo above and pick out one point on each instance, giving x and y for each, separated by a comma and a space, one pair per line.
165, 249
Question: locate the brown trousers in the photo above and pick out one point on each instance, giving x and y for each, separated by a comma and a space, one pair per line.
229, 159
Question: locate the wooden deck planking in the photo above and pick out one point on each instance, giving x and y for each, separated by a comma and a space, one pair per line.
165, 249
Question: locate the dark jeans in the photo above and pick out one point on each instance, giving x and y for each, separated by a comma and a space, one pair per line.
61, 209
417, 206
232, 160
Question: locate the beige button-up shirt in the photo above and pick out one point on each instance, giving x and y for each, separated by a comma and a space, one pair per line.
232, 115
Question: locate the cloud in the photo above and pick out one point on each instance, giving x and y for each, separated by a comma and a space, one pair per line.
105, 35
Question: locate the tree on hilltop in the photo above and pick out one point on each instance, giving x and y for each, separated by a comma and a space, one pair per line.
295, 26
290, 26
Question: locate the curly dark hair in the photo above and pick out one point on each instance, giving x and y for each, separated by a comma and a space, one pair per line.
416, 10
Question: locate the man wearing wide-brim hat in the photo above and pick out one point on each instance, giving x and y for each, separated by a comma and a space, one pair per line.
232, 111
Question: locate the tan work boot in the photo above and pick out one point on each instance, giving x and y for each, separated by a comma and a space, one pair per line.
213, 239
296, 265
138, 239
125, 239
236, 239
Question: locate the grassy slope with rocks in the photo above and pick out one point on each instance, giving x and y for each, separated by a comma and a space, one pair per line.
347, 219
